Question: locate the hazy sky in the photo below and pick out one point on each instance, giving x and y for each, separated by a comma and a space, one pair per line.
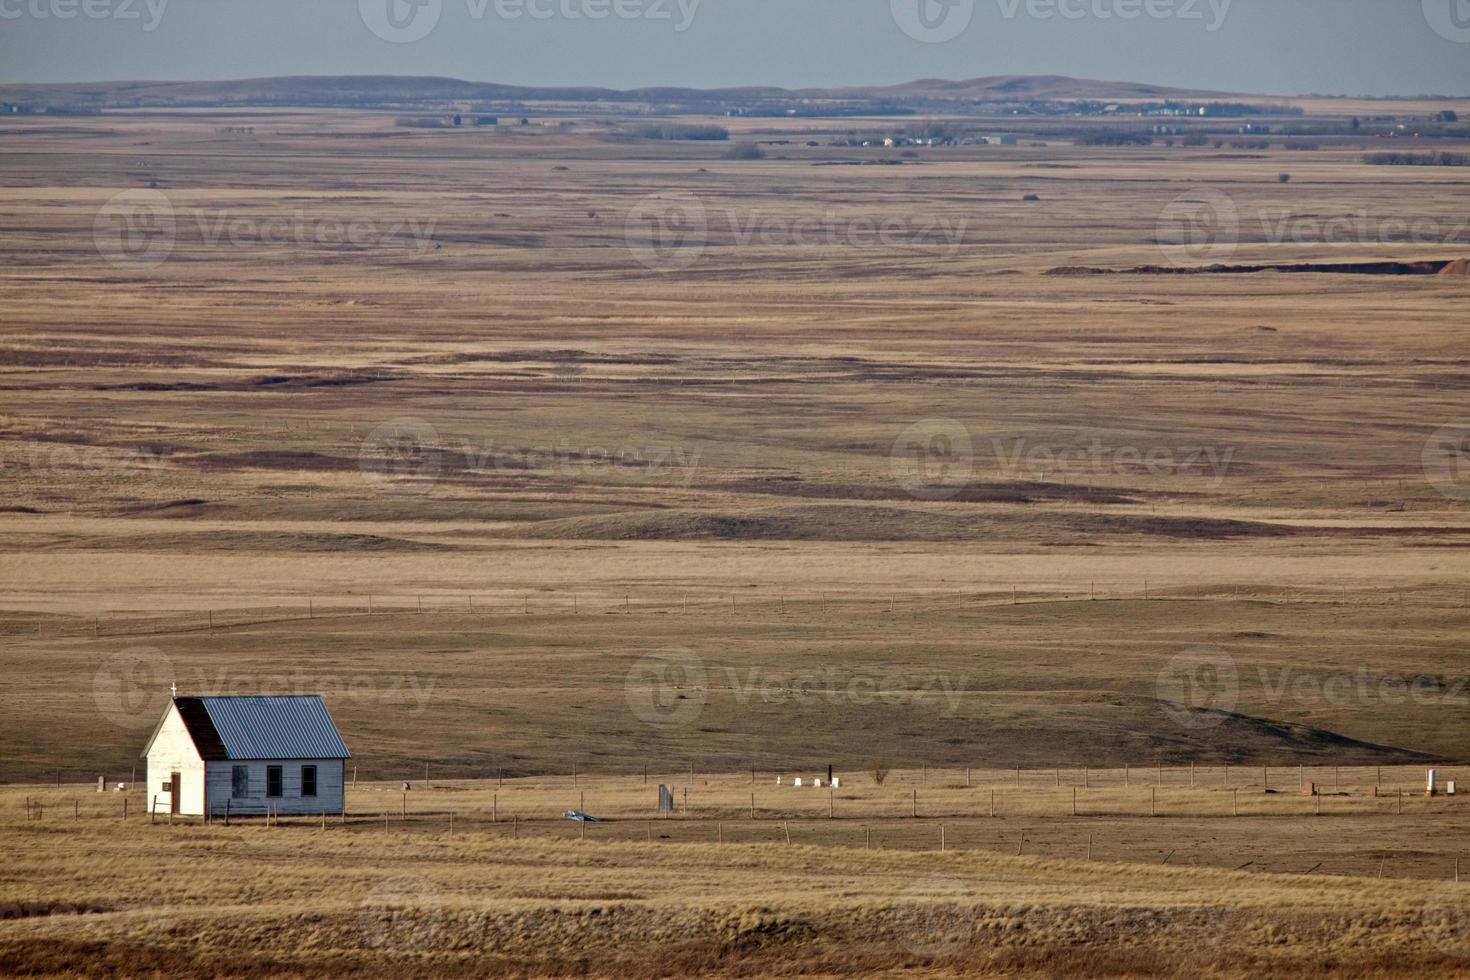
1365, 47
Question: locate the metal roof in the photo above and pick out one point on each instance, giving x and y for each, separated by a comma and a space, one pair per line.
275, 727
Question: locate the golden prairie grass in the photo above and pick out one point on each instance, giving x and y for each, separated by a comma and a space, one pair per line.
79, 896
182, 445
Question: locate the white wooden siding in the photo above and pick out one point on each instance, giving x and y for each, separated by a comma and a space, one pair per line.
329, 788
172, 752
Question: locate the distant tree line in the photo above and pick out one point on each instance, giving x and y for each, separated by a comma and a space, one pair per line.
1440, 159
682, 131
1115, 139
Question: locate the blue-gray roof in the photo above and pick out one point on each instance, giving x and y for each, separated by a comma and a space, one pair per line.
274, 727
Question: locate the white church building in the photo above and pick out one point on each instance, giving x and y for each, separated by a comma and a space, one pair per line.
246, 756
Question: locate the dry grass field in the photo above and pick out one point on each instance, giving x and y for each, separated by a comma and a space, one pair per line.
434, 422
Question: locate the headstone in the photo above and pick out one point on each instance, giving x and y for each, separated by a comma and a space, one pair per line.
101, 784
817, 782
836, 782
1431, 782
665, 799
796, 782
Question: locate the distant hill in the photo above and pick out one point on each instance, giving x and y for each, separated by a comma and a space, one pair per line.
397, 91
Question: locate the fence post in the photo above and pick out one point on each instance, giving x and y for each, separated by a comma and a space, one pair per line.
916, 803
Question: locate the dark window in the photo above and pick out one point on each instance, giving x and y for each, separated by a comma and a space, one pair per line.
308, 780
240, 782
273, 781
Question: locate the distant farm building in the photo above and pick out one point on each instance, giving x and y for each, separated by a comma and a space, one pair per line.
1004, 139
246, 755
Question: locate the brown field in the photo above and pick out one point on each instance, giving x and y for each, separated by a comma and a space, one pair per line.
518, 503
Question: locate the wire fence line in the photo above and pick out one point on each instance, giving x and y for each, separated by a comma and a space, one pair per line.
1174, 825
